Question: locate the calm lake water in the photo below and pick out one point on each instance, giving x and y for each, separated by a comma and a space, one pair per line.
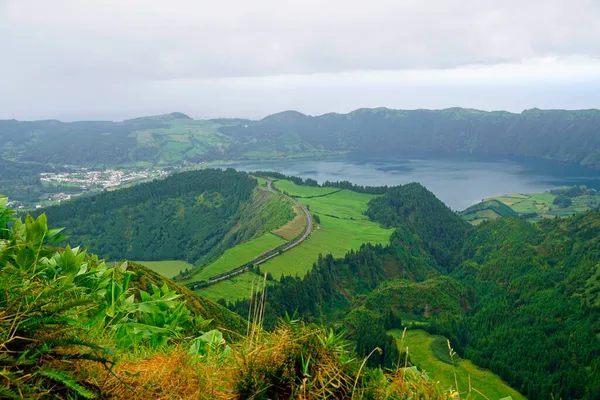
459, 180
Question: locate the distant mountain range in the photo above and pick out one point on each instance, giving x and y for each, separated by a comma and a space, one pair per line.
562, 135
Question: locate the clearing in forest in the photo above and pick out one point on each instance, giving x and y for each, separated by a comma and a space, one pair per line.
167, 268
431, 353
236, 288
291, 189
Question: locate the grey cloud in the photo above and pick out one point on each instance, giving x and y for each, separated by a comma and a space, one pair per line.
77, 59
155, 39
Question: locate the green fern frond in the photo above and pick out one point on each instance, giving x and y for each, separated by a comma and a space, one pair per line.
6, 393
67, 381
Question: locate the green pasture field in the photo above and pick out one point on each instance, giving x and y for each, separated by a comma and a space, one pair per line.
343, 204
168, 268
237, 256
294, 190
343, 227
236, 288
333, 235
262, 182
537, 206
431, 354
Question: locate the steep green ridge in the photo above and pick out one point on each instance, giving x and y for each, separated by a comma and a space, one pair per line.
441, 230
187, 216
535, 285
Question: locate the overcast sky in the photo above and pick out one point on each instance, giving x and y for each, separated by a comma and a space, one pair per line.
114, 59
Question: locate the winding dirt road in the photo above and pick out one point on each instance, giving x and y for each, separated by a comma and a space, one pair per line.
267, 255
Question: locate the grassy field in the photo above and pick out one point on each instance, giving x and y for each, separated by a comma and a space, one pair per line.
262, 182
168, 268
333, 235
293, 228
292, 189
236, 288
343, 204
343, 227
533, 206
238, 255
431, 353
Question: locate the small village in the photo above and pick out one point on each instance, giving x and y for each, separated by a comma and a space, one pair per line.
63, 186
99, 179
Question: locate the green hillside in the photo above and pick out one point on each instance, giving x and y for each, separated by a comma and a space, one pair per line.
431, 353
174, 138
342, 226
74, 327
184, 217
518, 302
559, 202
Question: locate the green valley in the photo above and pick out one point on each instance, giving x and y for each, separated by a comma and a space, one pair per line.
431, 353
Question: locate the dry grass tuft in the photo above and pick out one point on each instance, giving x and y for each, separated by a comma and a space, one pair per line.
163, 376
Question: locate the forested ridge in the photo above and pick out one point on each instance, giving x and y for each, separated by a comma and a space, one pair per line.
556, 134
562, 135
184, 217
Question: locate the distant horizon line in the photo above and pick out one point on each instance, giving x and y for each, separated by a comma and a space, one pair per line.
186, 115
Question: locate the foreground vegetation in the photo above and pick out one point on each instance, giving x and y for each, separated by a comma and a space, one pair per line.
73, 327
432, 354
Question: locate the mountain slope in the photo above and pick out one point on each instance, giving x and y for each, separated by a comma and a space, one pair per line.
185, 216
556, 134
536, 288
441, 230
561, 135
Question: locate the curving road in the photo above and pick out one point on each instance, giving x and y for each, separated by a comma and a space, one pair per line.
266, 256
309, 225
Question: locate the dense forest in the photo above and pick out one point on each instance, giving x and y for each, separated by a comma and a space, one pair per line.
518, 298
175, 138
20, 180
556, 134
186, 216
